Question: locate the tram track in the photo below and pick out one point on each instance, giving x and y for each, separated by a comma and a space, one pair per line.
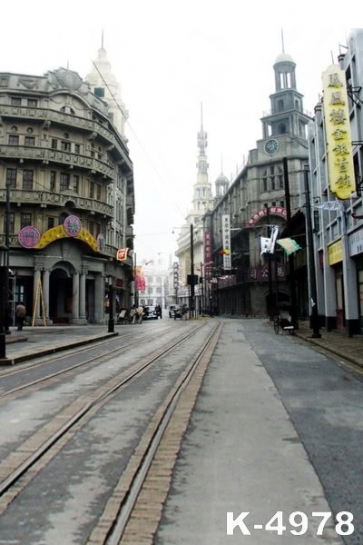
132, 504
62, 373
23, 464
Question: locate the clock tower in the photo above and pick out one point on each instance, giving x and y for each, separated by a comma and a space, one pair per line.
287, 116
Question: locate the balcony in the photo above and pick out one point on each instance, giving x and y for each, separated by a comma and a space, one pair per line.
67, 120
45, 198
46, 155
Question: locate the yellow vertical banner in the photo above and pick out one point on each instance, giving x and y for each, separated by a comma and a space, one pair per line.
337, 132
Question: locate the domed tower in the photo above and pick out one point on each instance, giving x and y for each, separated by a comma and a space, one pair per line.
221, 184
287, 116
105, 86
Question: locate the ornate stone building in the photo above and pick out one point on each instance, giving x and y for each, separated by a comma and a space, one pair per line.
256, 200
67, 196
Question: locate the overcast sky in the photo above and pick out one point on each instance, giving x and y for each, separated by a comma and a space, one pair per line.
169, 57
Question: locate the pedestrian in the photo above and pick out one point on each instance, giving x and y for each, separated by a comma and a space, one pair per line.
139, 314
20, 313
158, 311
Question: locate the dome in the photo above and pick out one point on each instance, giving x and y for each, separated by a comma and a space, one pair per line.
222, 179
284, 57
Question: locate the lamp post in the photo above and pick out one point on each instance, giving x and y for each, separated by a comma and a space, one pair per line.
111, 321
7, 244
4, 267
314, 317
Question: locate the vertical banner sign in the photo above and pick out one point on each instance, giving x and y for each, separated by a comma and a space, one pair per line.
176, 275
226, 241
337, 128
208, 260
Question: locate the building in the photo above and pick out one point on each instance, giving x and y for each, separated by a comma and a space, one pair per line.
155, 275
267, 192
190, 242
67, 196
338, 225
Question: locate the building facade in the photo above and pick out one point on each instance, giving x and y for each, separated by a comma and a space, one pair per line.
338, 225
67, 198
267, 192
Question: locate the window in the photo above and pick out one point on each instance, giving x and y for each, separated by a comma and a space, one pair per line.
54, 143
13, 140
98, 197
264, 181
26, 220
92, 190
65, 146
16, 101
76, 183
62, 217
32, 103
29, 141
52, 180
28, 179
64, 181
50, 223
99, 92
91, 227
11, 178
77, 148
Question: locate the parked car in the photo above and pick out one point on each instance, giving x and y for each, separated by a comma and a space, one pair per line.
150, 313
173, 309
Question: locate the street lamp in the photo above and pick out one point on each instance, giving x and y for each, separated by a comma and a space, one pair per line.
111, 320
4, 268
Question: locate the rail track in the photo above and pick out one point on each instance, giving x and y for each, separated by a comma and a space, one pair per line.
30, 458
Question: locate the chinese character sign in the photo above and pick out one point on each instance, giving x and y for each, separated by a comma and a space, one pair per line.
208, 257
226, 241
337, 128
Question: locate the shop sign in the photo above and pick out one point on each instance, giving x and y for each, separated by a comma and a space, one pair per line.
276, 210
226, 241
335, 252
355, 242
337, 131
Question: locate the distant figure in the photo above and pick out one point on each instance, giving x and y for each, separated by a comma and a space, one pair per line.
139, 314
158, 311
20, 313
133, 314
184, 311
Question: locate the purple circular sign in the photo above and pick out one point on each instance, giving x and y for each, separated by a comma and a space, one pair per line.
72, 226
29, 237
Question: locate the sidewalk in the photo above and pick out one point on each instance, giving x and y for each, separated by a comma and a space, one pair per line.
37, 341
336, 342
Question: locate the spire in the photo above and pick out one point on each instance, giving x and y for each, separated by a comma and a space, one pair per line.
202, 135
282, 41
102, 40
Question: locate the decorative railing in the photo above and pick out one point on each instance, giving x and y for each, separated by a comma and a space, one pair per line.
70, 120
56, 199
49, 155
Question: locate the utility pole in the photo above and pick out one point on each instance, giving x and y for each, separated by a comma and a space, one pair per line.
270, 311
314, 317
192, 279
291, 256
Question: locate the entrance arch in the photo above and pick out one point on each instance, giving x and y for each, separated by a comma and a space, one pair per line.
60, 293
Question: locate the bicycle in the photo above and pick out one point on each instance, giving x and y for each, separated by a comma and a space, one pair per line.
277, 324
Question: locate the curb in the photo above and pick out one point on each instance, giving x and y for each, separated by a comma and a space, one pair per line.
53, 349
